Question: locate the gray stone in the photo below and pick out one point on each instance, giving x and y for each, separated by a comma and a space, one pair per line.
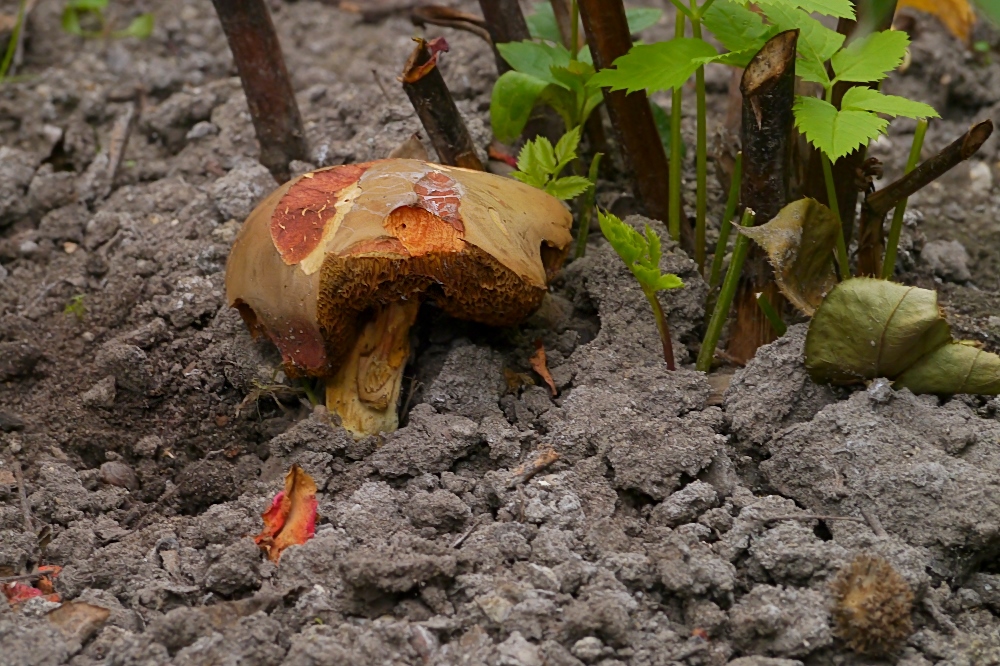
239, 191
947, 259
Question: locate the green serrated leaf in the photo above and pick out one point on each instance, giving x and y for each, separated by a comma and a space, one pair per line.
534, 58
565, 150
141, 27
816, 41
862, 98
654, 252
838, 8
514, 96
668, 281
534, 179
567, 188
836, 133
870, 58
640, 18
811, 69
542, 23
564, 102
735, 26
659, 66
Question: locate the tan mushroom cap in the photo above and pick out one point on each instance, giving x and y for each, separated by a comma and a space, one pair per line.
330, 245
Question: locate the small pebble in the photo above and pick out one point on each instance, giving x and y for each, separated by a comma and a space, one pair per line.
69, 247
117, 473
87, 336
28, 248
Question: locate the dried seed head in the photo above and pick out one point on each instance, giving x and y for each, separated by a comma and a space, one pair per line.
873, 606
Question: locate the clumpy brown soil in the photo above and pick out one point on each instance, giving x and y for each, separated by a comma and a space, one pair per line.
678, 526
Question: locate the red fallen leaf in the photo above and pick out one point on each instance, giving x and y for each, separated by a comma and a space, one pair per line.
698, 632
291, 518
540, 365
17, 593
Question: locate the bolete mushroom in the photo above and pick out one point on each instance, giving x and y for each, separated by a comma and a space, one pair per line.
333, 266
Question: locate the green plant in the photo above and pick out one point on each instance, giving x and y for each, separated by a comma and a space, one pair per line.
87, 18
76, 307
892, 244
587, 207
642, 256
15, 35
539, 165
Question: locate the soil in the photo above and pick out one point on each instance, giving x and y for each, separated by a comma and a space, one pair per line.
680, 524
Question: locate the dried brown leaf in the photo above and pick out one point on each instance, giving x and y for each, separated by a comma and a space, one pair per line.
540, 365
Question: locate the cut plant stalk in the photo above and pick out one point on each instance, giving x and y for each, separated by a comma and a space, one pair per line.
608, 35
889, 264
870, 17
269, 92
435, 107
877, 206
587, 211
505, 23
725, 302
565, 12
725, 227
768, 88
772, 315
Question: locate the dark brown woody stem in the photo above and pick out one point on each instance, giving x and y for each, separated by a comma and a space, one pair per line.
257, 53
435, 107
505, 22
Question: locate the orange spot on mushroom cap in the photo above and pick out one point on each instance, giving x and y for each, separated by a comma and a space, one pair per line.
438, 194
422, 232
301, 216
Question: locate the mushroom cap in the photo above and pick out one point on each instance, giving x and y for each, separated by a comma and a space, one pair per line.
330, 246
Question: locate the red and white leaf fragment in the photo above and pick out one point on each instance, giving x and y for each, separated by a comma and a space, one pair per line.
540, 365
291, 518
17, 592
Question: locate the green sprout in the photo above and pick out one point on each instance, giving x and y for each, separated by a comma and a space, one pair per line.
539, 165
642, 256
15, 36
76, 307
81, 17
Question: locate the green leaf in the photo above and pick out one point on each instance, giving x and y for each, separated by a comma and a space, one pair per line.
71, 21
811, 69
958, 367
816, 41
668, 281
640, 254
534, 58
574, 76
565, 102
514, 96
87, 5
659, 66
535, 162
836, 133
870, 58
862, 98
640, 18
565, 150
141, 27
735, 26
838, 8
654, 252
567, 188
542, 23
867, 328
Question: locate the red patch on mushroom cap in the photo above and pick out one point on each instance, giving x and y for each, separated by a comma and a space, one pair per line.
438, 194
301, 216
301, 346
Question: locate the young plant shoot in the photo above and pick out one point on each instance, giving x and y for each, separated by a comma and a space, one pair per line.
86, 18
642, 256
539, 165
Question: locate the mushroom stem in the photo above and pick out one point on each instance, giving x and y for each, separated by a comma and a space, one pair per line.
365, 391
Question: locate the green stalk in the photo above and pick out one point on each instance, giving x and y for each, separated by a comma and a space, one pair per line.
725, 302
702, 151
661, 326
587, 213
676, 163
834, 205
764, 303
889, 264
726, 227
8, 56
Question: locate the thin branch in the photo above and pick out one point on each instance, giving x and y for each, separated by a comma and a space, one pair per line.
450, 18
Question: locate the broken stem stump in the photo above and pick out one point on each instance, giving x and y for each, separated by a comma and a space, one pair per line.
435, 107
768, 89
257, 53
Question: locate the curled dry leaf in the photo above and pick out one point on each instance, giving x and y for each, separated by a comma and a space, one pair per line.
799, 243
291, 518
540, 365
333, 266
957, 15
869, 328
79, 621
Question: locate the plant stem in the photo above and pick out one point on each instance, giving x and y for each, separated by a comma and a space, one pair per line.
682, 9
8, 56
831, 192
676, 163
506, 23
574, 42
587, 213
772, 315
725, 301
889, 264
726, 227
662, 327
702, 152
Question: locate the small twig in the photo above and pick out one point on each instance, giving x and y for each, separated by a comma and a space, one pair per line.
435, 107
527, 470
447, 17
378, 82
27, 576
939, 616
466, 534
270, 96
23, 494
874, 523
99, 178
811, 516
